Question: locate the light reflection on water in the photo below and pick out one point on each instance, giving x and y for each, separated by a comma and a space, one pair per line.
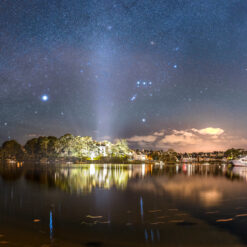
84, 178
151, 204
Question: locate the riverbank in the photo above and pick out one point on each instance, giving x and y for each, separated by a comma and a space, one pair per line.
104, 161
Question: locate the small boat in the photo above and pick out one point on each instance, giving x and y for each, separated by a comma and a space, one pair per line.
240, 162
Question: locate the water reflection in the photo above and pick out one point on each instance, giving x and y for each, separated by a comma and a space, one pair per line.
154, 204
141, 208
51, 225
11, 172
84, 178
240, 172
211, 197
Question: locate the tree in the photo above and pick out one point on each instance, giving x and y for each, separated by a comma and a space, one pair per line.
120, 149
53, 147
43, 142
170, 156
234, 153
155, 155
12, 150
31, 148
42, 147
81, 145
66, 146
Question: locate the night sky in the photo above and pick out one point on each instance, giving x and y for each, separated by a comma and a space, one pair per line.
161, 73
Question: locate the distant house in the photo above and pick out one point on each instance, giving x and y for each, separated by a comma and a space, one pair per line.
104, 149
213, 155
139, 156
187, 159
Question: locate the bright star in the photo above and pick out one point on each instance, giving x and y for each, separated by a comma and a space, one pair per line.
144, 120
44, 97
175, 66
133, 97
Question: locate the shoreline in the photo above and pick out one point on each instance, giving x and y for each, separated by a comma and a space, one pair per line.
135, 162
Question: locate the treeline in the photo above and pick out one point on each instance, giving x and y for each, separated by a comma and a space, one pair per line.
235, 153
169, 156
66, 148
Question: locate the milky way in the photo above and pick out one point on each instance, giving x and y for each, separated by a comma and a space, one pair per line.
118, 69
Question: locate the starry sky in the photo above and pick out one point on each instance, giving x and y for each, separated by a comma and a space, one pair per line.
160, 73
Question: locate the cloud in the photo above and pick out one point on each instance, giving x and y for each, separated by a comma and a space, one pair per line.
190, 140
160, 133
209, 131
105, 138
179, 137
34, 135
148, 138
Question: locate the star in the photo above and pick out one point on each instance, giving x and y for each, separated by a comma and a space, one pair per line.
148, 61
133, 97
44, 97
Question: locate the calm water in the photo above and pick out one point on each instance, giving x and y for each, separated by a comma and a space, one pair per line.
123, 205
